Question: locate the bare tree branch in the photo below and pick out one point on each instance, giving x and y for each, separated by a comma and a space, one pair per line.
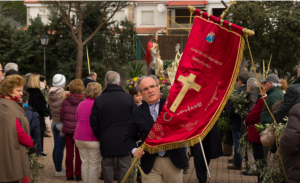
93, 9
102, 23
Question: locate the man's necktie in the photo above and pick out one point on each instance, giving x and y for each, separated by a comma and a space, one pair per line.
154, 115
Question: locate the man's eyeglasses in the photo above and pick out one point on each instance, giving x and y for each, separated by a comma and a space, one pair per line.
147, 89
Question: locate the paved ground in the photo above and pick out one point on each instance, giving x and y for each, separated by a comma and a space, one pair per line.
218, 170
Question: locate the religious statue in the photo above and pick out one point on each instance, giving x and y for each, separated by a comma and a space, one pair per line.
153, 59
172, 69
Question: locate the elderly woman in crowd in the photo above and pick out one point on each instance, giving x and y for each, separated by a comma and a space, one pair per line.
14, 131
254, 135
284, 85
38, 103
55, 96
87, 143
68, 117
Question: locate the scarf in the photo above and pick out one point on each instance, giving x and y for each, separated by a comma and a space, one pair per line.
12, 97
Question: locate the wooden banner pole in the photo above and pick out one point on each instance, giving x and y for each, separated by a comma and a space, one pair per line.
204, 157
131, 167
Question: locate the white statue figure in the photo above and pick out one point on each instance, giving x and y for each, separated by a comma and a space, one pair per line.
172, 69
156, 65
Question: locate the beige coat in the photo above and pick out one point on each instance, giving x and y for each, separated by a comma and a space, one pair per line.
14, 162
55, 96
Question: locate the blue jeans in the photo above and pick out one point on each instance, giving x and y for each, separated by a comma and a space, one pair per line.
237, 156
59, 145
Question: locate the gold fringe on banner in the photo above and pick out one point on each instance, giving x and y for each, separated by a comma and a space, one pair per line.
194, 140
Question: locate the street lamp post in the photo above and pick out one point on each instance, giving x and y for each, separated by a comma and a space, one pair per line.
44, 42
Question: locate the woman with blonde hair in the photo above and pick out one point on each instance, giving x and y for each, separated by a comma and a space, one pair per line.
14, 131
38, 103
68, 117
284, 85
87, 143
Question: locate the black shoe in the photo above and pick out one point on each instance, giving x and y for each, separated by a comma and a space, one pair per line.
247, 172
185, 171
69, 179
43, 154
231, 161
78, 177
47, 135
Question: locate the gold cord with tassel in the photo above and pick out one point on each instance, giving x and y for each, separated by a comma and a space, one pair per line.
246, 36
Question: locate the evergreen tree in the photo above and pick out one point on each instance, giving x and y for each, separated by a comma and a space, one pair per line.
277, 29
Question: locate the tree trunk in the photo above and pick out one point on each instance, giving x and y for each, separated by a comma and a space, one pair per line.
79, 61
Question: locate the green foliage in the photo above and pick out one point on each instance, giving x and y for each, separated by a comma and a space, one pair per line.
15, 10
167, 63
271, 169
223, 125
239, 102
277, 29
244, 143
135, 70
165, 91
35, 167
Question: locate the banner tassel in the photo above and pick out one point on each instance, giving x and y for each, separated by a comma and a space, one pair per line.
144, 176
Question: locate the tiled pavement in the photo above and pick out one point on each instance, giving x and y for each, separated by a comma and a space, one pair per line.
218, 170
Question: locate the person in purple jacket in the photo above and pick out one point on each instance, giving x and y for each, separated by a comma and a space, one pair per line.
87, 143
68, 117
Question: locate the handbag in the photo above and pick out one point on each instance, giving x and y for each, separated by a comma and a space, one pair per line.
267, 138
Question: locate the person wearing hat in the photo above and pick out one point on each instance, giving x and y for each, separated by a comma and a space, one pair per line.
235, 125
272, 85
55, 96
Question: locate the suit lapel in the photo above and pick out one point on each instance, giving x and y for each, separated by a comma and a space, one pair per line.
146, 114
146, 111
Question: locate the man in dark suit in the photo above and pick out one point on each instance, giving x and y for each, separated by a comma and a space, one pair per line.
165, 166
236, 124
91, 78
212, 145
109, 121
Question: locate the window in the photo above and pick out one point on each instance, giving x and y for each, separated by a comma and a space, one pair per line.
147, 17
119, 16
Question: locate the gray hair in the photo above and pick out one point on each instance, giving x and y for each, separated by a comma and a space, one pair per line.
112, 78
252, 82
144, 77
276, 84
10, 66
92, 74
27, 76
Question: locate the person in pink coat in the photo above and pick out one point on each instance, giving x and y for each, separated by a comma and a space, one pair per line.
87, 143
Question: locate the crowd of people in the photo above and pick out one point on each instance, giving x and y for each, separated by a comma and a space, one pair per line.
105, 127
281, 101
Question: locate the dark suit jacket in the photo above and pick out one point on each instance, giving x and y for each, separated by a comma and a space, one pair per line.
109, 120
86, 81
140, 125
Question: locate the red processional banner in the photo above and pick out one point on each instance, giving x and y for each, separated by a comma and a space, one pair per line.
204, 80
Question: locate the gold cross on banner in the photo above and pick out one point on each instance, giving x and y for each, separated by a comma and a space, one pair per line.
187, 84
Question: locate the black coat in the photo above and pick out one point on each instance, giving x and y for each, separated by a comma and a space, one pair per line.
235, 124
109, 120
212, 143
38, 103
140, 125
35, 131
86, 81
291, 97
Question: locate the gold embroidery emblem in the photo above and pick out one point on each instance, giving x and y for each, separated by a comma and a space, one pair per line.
189, 126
